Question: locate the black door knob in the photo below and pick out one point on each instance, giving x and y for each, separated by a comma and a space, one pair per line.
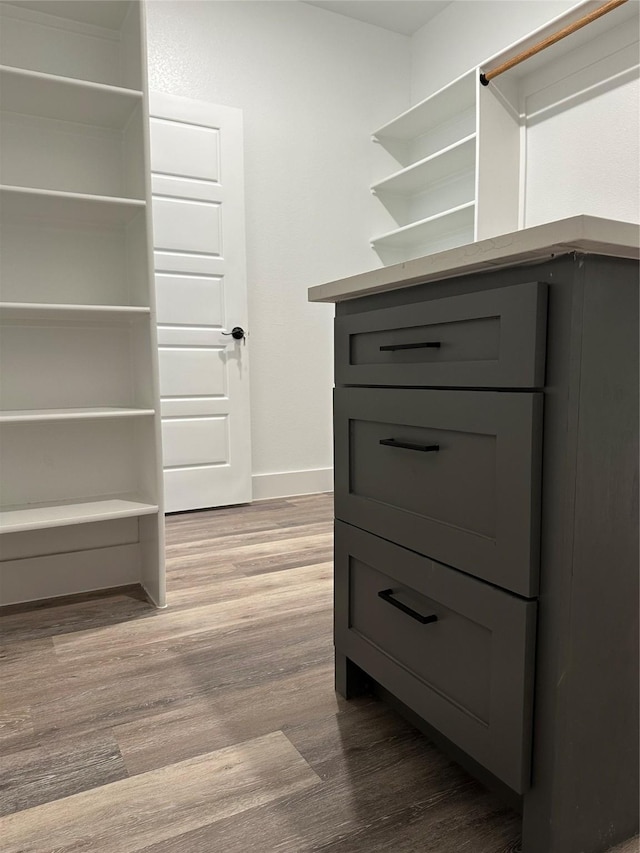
237, 333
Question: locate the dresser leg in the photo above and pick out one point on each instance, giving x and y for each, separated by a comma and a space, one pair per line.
351, 681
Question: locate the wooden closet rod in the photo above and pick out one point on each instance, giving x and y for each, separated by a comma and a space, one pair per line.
552, 39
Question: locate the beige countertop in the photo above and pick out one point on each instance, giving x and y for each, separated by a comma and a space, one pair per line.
585, 234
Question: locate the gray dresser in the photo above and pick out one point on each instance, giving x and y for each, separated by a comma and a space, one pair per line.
486, 494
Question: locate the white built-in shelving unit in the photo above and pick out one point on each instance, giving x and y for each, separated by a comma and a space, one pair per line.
435, 197
461, 152
80, 461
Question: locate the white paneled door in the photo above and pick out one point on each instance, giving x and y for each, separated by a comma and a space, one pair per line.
198, 224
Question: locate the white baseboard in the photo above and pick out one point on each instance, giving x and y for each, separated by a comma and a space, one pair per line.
286, 484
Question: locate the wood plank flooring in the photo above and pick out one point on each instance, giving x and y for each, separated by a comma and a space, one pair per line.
212, 726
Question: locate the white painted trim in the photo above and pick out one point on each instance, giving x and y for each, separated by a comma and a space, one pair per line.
53, 575
285, 484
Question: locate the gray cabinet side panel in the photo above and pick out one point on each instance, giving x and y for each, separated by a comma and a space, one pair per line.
585, 748
601, 771
564, 337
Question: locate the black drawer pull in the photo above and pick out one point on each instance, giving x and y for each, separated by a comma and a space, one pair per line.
425, 345
386, 595
407, 445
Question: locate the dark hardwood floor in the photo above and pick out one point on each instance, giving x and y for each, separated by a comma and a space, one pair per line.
212, 726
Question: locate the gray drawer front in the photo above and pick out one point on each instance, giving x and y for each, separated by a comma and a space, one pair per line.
469, 674
472, 504
491, 339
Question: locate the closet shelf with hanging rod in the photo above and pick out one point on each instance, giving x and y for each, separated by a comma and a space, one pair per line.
461, 148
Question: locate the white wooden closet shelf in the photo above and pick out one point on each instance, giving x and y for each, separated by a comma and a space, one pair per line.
60, 312
419, 176
80, 449
443, 230
466, 142
93, 41
64, 514
65, 98
25, 415
445, 107
83, 208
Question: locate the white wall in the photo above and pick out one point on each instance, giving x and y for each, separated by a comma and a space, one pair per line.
467, 32
312, 85
580, 158
590, 155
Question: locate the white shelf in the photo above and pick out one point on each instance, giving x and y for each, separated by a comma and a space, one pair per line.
433, 199
17, 311
28, 202
65, 98
440, 108
81, 415
432, 230
88, 40
98, 13
41, 516
416, 178
42, 415
486, 128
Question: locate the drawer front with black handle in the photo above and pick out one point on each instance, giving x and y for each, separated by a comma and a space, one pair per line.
488, 339
454, 475
455, 650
